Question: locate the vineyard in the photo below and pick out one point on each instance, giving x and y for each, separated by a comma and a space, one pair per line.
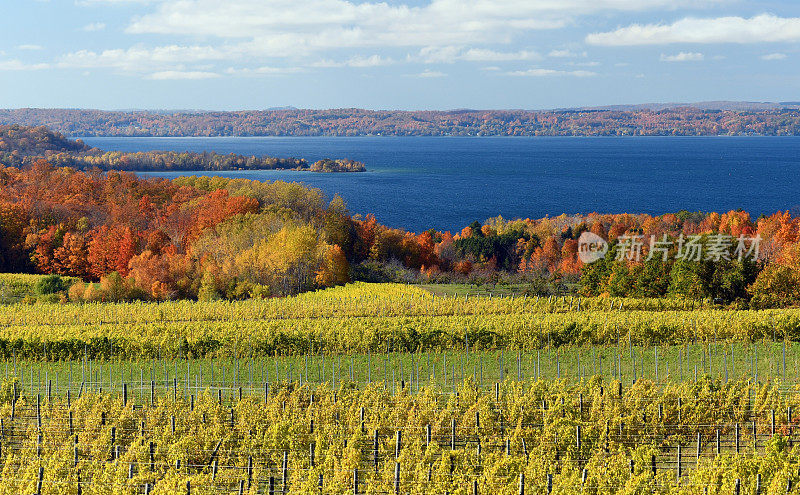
389, 388
362, 318
545, 437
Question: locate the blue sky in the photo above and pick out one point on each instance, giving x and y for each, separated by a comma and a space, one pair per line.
438, 54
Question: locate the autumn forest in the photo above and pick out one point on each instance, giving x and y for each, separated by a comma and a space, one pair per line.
208, 238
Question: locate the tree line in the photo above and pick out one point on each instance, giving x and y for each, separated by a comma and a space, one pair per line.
22, 146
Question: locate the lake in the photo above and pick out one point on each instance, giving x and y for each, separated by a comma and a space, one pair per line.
445, 183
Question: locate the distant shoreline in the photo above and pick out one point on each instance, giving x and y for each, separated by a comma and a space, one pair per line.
677, 121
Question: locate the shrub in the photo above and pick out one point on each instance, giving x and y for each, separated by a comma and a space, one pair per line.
50, 284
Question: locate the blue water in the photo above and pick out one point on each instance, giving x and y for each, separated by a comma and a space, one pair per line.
445, 183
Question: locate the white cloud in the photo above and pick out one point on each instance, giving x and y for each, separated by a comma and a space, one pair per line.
562, 54
427, 73
89, 3
30, 47
265, 70
94, 26
439, 54
759, 29
177, 74
773, 56
299, 26
17, 65
356, 61
683, 57
140, 59
451, 54
551, 72
483, 55
252, 34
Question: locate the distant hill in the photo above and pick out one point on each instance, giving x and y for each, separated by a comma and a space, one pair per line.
22, 146
736, 106
37, 141
656, 119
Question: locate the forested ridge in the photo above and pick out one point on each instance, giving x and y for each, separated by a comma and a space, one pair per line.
681, 121
22, 146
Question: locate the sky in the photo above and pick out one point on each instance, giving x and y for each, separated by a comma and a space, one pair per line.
395, 54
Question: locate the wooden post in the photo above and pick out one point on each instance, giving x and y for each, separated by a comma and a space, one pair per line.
699, 445
679, 470
737, 487
772, 422
737, 437
549, 483
375, 449
397, 443
452, 434
39, 481
521, 484
285, 473
249, 472
355, 482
